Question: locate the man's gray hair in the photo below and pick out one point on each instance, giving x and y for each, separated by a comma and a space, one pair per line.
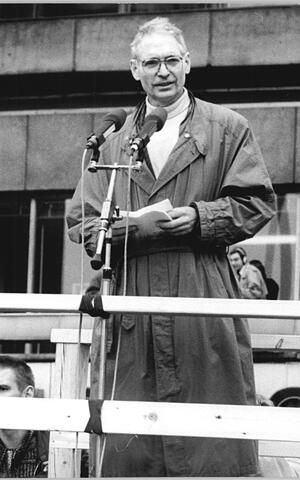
156, 25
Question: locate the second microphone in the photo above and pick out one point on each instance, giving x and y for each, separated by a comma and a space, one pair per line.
153, 123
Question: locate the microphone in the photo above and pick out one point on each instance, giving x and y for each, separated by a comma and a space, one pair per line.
112, 122
153, 123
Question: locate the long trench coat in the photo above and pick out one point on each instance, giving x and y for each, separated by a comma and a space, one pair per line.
217, 166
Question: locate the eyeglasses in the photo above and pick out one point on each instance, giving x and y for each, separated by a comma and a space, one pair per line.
153, 64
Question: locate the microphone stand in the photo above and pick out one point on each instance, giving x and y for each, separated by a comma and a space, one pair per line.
108, 216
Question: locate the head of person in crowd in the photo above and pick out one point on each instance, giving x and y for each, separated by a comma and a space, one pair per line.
160, 61
16, 378
237, 258
23, 453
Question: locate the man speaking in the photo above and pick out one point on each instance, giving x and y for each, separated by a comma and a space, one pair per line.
206, 161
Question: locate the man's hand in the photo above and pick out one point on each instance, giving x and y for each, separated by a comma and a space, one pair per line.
182, 223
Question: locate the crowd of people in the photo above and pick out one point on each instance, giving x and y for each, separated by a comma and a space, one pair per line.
251, 276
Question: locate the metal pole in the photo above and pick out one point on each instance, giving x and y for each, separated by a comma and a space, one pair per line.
31, 245
31, 257
296, 295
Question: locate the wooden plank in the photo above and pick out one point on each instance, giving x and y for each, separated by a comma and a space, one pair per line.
71, 335
283, 309
265, 448
224, 421
279, 449
44, 414
263, 341
69, 381
153, 418
70, 440
39, 302
38, 326
275, 342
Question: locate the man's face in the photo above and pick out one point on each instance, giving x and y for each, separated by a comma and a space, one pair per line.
236, 261
163, 86
9, 386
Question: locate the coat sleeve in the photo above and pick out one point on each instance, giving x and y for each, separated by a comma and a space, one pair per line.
245, 201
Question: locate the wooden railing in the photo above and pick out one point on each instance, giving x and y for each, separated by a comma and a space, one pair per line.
64, 416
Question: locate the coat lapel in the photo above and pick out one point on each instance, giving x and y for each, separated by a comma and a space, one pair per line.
191, 144
143, 178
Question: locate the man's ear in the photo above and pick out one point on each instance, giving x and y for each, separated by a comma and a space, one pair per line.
28, 391
187, 63
135, 69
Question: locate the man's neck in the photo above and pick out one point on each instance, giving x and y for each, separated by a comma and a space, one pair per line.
12, 439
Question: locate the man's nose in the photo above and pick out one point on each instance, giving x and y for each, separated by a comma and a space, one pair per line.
163, 69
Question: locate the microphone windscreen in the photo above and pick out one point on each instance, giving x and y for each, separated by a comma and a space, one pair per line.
117, 118
159, 115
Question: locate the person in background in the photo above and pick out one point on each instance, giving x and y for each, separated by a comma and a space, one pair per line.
251, 283
272, 286
206, 161
249, 277
238, 258
23, 453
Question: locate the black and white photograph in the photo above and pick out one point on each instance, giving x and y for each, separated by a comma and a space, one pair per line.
150, 239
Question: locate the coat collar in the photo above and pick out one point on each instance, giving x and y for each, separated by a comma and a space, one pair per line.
192, 142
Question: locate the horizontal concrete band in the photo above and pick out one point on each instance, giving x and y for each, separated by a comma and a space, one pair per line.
54, 163
90, 44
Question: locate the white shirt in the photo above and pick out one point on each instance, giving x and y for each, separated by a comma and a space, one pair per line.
162, 143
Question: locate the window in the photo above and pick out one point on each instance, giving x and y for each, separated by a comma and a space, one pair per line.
14, 224
43, 266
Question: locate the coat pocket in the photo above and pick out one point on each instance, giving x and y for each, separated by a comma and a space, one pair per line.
128, 321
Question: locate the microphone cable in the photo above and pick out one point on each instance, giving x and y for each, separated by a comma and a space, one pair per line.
77, 393
125, 273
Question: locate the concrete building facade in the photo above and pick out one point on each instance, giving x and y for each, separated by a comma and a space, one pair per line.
59, 76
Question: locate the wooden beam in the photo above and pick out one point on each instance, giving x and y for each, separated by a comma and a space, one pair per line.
71, 335
266, 448
37, 326
153, 418
222, 421
43, 414
29, 302
65, 383
278, 449
275, 342
259, 340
